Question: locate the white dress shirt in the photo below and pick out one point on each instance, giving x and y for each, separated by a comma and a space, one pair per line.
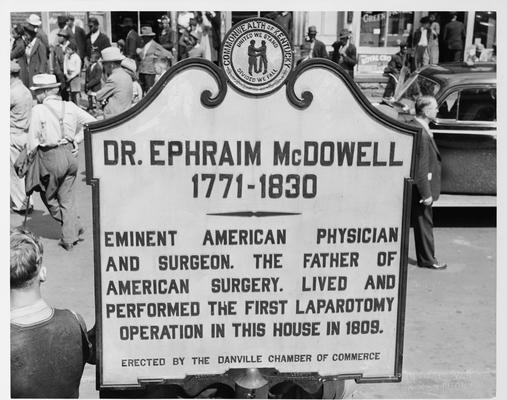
44, 128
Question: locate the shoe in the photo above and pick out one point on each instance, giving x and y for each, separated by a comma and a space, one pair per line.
66, 246
436, 266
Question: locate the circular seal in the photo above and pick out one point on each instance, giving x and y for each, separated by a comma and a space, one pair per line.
257, 56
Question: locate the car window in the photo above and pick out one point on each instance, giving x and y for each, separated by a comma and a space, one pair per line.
477, 105
449, 107
420, 86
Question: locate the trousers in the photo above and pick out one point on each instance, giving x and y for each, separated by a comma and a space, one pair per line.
59, 196
421, 56
433, 52
422, 220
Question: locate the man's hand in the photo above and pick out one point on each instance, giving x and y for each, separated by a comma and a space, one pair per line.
75, 149
428, 201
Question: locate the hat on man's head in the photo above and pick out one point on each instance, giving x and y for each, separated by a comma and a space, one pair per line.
29, 27
110, 54
63, 33
93, 20
15, 67
129, 64
312, 28
424, 20
344, 33
147, 31
34, 19
61, 19
127, 22
44, 81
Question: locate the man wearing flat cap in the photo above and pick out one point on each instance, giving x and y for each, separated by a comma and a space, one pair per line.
313, 48
345, 53
116, 94
55, 132
95, 40
21, 109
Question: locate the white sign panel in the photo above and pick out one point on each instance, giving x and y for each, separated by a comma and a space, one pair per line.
256, 232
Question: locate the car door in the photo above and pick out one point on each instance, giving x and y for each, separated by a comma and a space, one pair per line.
465, 133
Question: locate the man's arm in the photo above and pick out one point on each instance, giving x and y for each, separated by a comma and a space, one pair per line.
107, 90
34, 131
350, 56
423, 167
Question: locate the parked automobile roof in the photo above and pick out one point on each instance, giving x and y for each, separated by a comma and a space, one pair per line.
452, 74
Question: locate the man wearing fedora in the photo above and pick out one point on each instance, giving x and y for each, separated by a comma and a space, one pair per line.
34, 22
95, 40
345, 53
55, 131
116, 93
132, 40
313, 48
149, 53
36, 53
21, 109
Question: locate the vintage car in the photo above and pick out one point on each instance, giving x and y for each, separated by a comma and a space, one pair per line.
465, 127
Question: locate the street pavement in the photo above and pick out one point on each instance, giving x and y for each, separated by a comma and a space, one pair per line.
450, 321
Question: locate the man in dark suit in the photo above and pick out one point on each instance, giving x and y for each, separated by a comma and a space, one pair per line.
345, 53
427, 185
95, 40
78, 35
313, 48
454, 36
132, 40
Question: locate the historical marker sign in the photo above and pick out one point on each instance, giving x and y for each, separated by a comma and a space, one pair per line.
234, 231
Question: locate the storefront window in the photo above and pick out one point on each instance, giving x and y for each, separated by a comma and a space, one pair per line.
485, 29
373, 28
399, 26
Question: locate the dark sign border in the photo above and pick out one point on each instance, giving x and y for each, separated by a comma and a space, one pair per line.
208, 101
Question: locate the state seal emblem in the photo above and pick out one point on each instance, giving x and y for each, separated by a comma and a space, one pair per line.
257, 56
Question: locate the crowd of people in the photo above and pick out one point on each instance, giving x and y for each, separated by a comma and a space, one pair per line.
48, 133
75, 58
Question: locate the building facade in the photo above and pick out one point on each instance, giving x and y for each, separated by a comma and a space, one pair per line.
376, 34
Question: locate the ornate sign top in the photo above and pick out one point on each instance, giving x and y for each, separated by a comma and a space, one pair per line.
257, 56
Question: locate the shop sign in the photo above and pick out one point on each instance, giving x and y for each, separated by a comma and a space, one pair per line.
372, 63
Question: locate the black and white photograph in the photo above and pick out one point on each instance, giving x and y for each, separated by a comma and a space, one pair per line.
301, 204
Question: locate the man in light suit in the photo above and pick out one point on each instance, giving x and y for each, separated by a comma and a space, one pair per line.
116, 93
427, 185
151, 52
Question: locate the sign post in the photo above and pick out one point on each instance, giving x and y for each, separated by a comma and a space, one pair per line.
250, 219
